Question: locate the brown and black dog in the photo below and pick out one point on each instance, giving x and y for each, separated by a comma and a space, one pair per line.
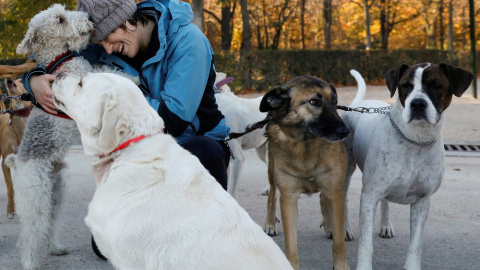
306, 155
11, 133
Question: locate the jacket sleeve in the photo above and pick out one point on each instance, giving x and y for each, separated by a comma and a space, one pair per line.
40, 70
187, 76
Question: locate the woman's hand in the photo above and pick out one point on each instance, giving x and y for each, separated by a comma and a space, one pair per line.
40, 86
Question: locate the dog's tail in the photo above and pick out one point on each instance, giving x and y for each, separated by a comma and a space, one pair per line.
362, 87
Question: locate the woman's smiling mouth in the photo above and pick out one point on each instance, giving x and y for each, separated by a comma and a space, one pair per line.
120, 50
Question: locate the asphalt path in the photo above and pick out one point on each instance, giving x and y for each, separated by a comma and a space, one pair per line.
451, 238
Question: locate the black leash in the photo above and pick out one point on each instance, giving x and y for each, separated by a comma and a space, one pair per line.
248, 129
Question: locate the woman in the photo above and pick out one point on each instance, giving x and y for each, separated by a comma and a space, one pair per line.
174, 60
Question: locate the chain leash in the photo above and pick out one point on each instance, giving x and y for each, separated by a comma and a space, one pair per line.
386, 110
379, 110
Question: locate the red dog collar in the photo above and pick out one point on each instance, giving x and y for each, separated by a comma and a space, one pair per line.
124, 145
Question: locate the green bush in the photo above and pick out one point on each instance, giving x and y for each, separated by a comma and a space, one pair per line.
261, 70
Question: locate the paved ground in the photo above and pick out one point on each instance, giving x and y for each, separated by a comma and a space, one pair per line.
452, 233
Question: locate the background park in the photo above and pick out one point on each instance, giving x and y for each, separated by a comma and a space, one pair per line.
263, 43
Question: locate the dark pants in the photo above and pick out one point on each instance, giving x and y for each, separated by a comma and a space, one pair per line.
214, 156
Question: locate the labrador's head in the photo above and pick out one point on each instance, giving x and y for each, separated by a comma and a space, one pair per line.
108, 109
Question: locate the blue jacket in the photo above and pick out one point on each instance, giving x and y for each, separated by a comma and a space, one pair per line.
178, 80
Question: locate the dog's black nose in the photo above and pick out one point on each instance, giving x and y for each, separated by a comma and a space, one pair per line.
418, 104
342, 131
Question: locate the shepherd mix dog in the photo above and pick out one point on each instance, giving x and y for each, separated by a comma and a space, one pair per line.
306, 155
155, 206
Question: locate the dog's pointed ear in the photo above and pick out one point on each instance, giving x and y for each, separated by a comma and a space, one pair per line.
393, 76
273, 99
28, 43
459, 79
114, 125
220, 76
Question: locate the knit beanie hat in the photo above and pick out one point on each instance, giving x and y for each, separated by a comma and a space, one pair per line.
107, 15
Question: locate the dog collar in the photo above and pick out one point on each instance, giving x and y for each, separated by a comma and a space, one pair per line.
51, 68
59, 61
399, 132
124, 145
25, 112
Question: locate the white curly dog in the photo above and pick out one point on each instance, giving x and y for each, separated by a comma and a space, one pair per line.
40, 167
157, 209
239, 113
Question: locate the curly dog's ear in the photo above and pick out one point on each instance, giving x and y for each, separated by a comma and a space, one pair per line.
28, 43
114, 125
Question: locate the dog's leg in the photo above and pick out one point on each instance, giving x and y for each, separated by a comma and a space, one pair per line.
368, 205
33, 197
386, 228
332, 202
58, 187
270, 226
418, 217
10, 191
289, 211
262, 153
351, 166
235, 167
326, 215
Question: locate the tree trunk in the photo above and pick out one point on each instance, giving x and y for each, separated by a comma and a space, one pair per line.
197, 8
450, 27
265, 23
368, 37
302, 22
327, 23
247, 35
440, 25
384, 24
227, 25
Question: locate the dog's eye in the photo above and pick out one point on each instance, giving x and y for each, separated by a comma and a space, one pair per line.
60, 20
407, 87
315, 102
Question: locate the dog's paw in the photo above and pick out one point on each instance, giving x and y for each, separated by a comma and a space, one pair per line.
10, 160
386, 231
348, 235
348, 232
58, 250
266, 190
328, 231
31, 265
10, 215
270, 230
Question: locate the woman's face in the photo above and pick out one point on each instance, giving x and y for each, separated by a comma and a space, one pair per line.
123, 42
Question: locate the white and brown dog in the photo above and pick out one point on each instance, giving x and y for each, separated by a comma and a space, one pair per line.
155, 206
401, 152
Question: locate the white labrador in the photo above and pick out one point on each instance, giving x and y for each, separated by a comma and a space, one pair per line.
156, 206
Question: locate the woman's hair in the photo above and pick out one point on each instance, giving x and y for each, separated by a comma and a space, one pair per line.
137, 17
